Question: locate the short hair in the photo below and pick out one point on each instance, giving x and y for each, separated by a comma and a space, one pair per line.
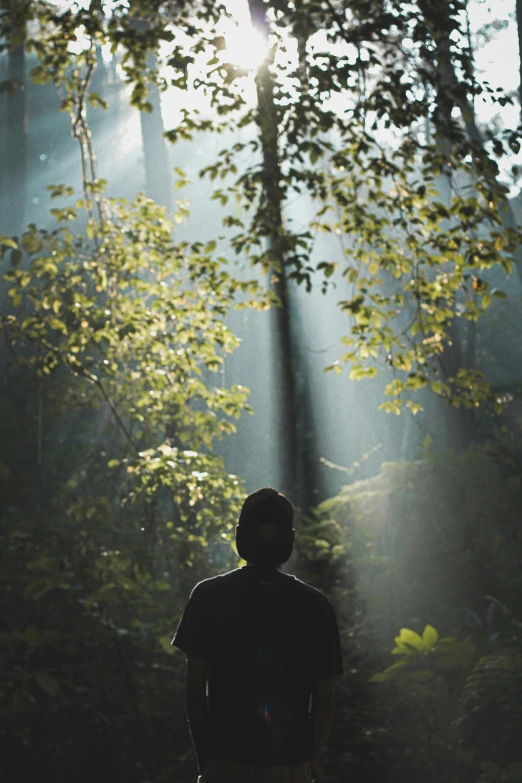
265, 506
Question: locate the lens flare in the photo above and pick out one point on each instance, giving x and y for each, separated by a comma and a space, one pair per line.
245, 47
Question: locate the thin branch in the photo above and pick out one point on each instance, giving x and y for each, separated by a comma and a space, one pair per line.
78, 370
115, 413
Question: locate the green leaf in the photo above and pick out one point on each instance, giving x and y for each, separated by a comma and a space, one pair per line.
95, 99
514, 772
166, 646
453, 654
390, 673
56, 191
8, 242
410, 641
49, 684
320, 543
391, 406
423, 675
492, 770
441, 388
416, 381
394, 387
430, 636
357, 373
401, 362
219, 42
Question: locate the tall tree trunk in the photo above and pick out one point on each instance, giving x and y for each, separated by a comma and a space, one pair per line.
519, 28
158, 184
3, 137
461, 421
15, 184
454, 95
272, 219
309, 476
157, 170
310, 486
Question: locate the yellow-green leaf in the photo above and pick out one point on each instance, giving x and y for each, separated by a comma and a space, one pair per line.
7, 242
166, 646
411, 639
430, 637
49, 684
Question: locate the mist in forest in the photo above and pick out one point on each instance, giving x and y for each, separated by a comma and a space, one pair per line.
345, 433
127, 442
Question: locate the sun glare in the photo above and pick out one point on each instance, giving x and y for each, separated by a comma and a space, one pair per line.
245, 47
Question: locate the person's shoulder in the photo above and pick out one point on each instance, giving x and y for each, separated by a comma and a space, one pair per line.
309, 593
213, 583
232, 579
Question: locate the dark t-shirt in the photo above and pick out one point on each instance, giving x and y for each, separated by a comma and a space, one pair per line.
267, 638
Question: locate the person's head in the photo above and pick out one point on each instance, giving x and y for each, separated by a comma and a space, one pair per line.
264, 533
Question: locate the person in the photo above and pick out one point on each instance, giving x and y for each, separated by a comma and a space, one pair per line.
262, 648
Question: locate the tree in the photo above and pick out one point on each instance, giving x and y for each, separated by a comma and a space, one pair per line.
270, 217
416, 264
110, 329
114, 330
17, 118
158, 183
519, 30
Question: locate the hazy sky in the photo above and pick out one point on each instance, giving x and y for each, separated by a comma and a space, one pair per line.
497, 61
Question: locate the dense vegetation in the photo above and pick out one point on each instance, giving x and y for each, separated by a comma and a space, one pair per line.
115, 335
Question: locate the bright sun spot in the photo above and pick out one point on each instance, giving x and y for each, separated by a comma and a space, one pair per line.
245, 47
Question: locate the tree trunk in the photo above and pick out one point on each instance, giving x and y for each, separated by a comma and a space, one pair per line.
454, 96
310, 486
519, 28
3, 138
158, 184
15, 184
271, 218
309, 477
461, 422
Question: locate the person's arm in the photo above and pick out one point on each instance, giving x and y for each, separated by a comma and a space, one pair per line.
322, 711
196, 704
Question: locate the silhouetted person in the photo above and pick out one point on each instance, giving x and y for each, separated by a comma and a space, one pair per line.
268, 645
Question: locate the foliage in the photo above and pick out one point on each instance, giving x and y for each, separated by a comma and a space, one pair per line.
135, 316
427, 680
412, 192
422, 540
435, 682
431, 545
109, 416
425, 655
493, 773
491, 718
114, 498
114, 334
